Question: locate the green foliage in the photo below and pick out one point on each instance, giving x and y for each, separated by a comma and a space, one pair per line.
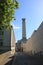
7, 11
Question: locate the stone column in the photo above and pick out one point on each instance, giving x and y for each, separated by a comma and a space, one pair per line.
23, 28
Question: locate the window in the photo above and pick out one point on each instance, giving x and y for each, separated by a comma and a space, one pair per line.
1, 32
1, 40
1, 43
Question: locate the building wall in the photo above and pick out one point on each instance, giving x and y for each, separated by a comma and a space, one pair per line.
27, 47
12, 40
35, 43
1, 37
7, 39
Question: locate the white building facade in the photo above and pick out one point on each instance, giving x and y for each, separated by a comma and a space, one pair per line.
7, 39
35, 42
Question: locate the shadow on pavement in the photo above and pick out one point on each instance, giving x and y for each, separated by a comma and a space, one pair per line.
10, 62
25, 59
35, 59
3, 51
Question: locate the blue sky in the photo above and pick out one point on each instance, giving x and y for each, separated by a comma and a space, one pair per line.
32, 10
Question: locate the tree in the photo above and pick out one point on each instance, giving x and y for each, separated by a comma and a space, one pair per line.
7, 11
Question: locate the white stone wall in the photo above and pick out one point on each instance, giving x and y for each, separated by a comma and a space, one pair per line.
12, 41
35, 43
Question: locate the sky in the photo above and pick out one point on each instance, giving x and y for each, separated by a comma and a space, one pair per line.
32, 11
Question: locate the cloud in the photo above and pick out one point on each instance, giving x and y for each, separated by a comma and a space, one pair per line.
15, 27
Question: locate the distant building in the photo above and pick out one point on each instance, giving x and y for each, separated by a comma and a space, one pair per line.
7, 39
35, 42
18, 45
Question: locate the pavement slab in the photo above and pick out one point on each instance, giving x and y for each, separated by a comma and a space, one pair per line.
23, 59
5, 57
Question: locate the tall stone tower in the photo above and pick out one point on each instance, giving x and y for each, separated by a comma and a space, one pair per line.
23, 28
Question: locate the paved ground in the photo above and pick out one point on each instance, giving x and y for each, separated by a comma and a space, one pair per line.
20, 58
23, 59
6, 58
